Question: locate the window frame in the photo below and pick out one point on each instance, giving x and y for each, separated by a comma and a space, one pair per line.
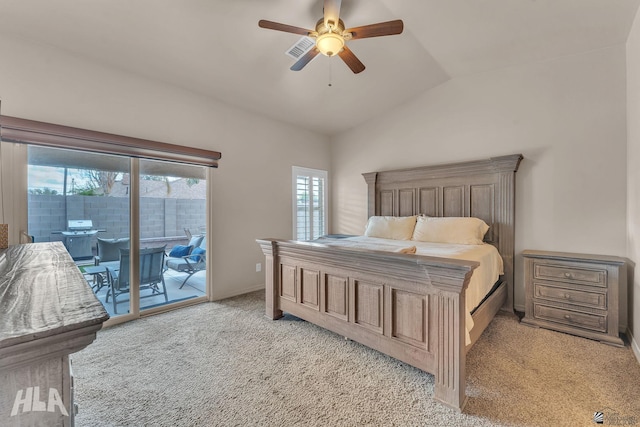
16, 134
297, 171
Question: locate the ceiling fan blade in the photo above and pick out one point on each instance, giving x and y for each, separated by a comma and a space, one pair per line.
351, 60
305, 59
388, 28
331, 12
270, 25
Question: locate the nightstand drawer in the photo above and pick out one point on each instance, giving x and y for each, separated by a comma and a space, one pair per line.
572, 296
547, 271
594, 322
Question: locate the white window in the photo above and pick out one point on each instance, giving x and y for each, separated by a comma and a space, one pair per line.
309, 203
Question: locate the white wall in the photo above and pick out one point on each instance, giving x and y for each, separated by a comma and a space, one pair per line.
633, 176
251, 188
566, 116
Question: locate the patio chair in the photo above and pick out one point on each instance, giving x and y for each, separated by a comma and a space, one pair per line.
151, 275
108, 250
191, 262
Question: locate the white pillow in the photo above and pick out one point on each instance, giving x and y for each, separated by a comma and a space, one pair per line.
391, 227
458, 230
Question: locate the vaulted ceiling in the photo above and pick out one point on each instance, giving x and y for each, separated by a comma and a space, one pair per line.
215, 47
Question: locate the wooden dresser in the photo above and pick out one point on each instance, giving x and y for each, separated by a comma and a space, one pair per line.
47, 311
574, 293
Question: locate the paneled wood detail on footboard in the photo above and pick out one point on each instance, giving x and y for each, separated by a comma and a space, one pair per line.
407, 306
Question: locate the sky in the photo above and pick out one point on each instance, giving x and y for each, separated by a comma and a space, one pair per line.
42, 177
53, 178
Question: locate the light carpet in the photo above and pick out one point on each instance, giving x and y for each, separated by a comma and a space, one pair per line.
226, 364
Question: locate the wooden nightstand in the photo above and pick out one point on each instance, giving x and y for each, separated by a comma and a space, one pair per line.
574, 293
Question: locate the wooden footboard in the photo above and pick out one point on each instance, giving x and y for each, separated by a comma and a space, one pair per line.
409, 307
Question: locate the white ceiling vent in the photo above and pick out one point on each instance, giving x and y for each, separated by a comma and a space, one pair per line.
302, 46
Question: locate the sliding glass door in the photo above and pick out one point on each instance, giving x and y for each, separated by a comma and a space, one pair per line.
172, 201
89, 201
82, 200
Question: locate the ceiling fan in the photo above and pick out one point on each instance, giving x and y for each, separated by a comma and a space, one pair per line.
331, 36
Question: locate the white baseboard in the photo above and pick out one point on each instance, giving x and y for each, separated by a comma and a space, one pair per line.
634, 345
239, 292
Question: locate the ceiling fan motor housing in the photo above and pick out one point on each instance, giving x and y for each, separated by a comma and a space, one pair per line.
331, 38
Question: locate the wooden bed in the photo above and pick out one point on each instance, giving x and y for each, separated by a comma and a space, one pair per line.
409, 307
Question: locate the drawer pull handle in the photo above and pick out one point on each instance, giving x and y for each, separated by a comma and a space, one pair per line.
567, 296
567, 316
568, 275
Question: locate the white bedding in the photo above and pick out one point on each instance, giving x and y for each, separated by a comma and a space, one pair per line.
483, 277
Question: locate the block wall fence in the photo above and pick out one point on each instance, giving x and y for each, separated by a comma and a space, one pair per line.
159, 217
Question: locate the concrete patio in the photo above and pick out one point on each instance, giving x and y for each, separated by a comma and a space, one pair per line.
195, 287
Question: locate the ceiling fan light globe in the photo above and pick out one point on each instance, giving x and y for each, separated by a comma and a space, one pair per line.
330, 44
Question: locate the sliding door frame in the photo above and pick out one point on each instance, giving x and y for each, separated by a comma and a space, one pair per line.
16, 132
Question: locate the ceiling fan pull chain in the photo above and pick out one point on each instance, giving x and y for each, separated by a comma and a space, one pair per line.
330, 75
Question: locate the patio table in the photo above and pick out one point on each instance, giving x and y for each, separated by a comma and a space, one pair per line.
98, 272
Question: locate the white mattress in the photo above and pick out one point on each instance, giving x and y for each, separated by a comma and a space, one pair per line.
482, 280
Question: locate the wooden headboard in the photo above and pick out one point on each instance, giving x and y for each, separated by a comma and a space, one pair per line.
484, 189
